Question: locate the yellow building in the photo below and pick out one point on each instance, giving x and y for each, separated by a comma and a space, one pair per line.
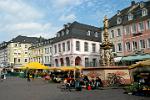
16, 51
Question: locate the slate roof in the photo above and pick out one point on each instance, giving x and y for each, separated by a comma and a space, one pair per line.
43, 43
135, 9
79, 31
22, 39
25, 39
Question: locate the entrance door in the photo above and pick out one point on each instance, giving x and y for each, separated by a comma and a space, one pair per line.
77, 61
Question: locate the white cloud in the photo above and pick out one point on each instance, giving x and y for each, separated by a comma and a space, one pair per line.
66, 3
17, 9
20, 18
67, 18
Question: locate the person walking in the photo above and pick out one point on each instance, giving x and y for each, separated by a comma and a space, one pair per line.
28, 76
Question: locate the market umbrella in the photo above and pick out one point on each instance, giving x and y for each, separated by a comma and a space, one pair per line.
35, 65
145, 63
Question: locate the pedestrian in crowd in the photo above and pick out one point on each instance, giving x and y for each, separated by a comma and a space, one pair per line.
28, 76
98, 82
33, 75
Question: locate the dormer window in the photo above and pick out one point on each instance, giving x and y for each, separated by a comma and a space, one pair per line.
119, 20
141, 4
67, 31
96, 34
118, 12
144, 12
130, 16
58, 34
62, 33
88, 33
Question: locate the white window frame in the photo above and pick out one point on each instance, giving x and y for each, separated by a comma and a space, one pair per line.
141, 44
130, 16
148, 43
96, 34
118, 47
140, 30
148, 25
78, 46
67, 31
127, 33
88, 32
112, 34
128, 49
118, 32
133, 45
144, 12
133, 26
86, 46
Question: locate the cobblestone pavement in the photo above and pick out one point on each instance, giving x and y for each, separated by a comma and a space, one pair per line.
20, 89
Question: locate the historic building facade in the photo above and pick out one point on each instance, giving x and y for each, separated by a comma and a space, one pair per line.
130, 29
77, 45
15, 52
41, 52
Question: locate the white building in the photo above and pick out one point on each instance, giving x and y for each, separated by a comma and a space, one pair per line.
77, 44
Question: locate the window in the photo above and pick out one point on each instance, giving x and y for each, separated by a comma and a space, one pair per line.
55, 48
144, 12
68, 45
119, 20
25, 60
148, 44
130, 16
15, 45
85, 46
19, 45
142, 44
58, 34
127, 30
141, 26
134, 43
50, 49
62, 33
89, 33
112, 34
26, 46
113, 48
86, 62
77, 46
94, 62
119, 32
18, 60
15, 60
133, 28
119, 47
148, 24
63, 46
67, 31
128, 48
96, 34
93, 47
59, 47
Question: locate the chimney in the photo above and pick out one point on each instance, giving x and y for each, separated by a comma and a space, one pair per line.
65, 25
132, 3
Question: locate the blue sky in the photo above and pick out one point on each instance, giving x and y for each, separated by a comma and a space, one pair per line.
46, 17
